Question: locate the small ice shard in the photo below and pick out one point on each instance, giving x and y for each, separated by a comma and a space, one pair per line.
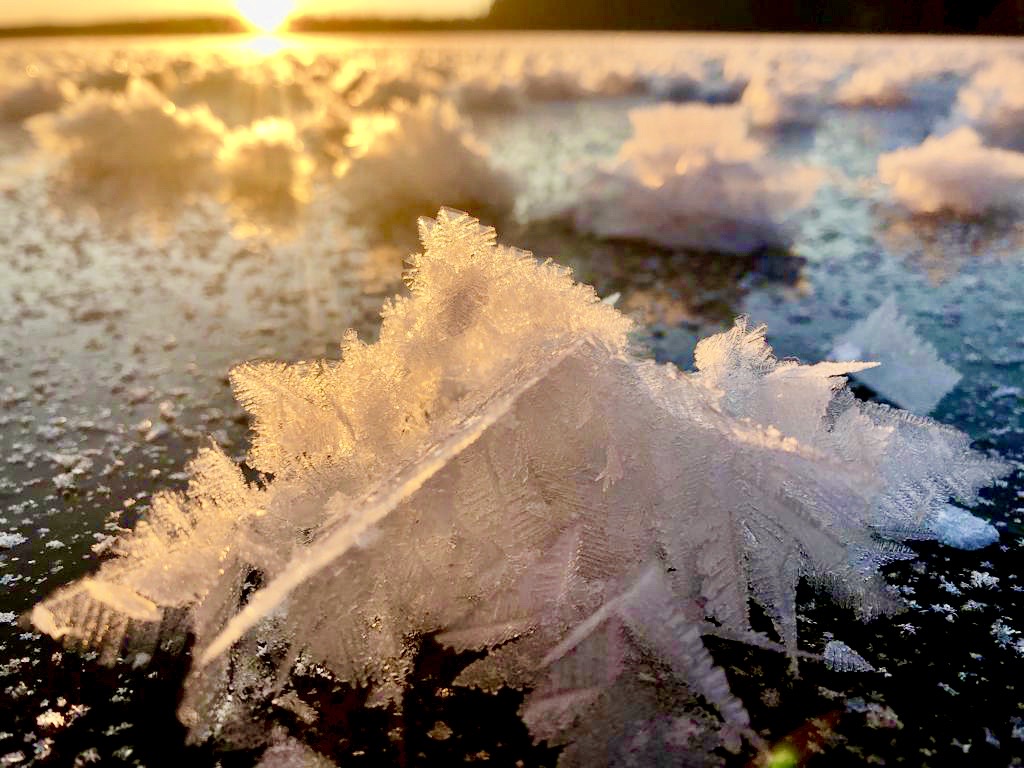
911, 375
958, 528
839, 657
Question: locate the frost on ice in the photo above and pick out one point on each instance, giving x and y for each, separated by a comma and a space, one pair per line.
693, 177
911, 374
500, 470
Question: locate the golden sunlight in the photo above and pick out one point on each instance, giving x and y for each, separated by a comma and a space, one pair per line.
265, 15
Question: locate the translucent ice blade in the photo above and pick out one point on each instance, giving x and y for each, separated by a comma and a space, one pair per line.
378, 503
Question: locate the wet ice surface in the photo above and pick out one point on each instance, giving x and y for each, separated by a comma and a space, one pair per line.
117, 340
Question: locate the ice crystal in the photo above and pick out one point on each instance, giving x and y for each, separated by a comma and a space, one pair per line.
842, 658
693, 177
911, 375
500, 470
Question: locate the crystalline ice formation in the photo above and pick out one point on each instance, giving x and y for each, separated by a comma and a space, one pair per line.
911, 375
958, 528
500, 470
955, 173
693, 177
410, 161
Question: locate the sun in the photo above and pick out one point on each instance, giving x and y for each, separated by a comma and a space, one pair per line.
265, 15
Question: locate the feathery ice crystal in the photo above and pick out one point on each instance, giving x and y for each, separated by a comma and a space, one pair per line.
500, 470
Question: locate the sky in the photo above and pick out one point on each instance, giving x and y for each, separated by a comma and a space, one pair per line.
15, 12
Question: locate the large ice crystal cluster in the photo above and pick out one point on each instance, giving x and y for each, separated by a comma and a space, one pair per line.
500, 470
693, 177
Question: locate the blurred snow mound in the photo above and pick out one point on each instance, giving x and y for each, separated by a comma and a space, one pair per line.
955, 173
114, 147
240, 95
789, 93
692, 176
911, 375
408, 162
265, 165
993, 104
25, 97
900, 81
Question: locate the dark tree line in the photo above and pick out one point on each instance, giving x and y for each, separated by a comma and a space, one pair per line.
906, 16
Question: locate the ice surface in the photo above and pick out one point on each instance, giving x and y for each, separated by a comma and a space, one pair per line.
911, 375
500, 469
955, 173
693, 177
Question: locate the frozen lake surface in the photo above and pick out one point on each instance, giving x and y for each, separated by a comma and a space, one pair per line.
125, 298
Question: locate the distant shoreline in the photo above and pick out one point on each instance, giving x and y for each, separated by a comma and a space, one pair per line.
229, 25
